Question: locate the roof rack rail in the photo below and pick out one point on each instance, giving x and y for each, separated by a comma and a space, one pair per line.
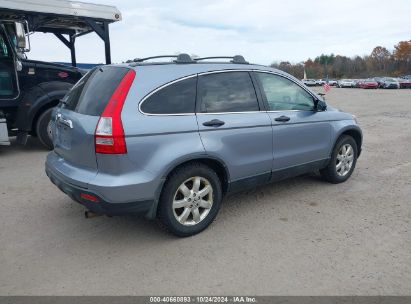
185, 58
180, 58
153, 57
234, 59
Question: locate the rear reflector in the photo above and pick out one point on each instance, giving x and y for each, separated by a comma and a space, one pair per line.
109, 135
89, 197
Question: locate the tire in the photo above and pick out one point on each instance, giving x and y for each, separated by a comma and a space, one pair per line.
42, 129
336, 175
172, 197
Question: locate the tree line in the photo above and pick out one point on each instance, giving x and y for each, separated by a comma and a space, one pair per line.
381, 62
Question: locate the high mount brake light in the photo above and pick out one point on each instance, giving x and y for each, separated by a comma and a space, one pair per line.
109, 136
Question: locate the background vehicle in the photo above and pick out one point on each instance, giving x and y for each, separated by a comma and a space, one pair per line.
309, 82
390, 83
379, 80
404, 82
368, 84
173, 141
357, 82
31, 89
332, 82
345, 83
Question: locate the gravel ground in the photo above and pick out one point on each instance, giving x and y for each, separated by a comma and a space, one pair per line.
297, 237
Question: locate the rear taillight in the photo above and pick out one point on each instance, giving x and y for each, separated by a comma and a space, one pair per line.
109, 136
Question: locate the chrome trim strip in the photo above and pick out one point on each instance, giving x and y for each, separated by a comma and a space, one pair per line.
224, 71
219, 113
276, 111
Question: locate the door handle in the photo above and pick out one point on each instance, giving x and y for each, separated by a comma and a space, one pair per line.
213, 123
282, 118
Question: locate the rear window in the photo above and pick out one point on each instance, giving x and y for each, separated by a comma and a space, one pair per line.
91, 93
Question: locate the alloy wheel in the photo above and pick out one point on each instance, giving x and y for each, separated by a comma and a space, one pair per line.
193, 201
345, 159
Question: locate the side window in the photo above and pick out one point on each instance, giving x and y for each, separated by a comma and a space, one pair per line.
227, 92
4, 51
8, 81
175, 98
283, 94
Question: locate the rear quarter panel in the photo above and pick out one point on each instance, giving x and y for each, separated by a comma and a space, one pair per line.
155, 143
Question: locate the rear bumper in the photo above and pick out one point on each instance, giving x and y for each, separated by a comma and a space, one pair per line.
101, 206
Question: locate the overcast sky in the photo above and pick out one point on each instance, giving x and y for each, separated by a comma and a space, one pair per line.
262, 31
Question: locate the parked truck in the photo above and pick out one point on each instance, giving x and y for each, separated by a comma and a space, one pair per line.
30, 89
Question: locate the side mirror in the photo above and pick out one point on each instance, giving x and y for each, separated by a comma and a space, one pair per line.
20, 35
320, 105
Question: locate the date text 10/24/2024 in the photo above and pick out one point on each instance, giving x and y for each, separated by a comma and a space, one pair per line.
204, 299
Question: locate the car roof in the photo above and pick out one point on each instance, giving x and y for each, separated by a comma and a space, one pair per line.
151, 76
170, 71
181, 65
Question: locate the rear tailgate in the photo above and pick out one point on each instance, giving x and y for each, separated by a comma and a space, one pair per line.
76, 119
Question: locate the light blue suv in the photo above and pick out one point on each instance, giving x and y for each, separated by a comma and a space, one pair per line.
170, 139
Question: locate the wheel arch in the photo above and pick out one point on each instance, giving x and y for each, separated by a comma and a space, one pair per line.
40, 111
353, 131
213, 162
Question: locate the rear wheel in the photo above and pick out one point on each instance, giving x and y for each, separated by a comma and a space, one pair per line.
43, 129
343, 161
190, 200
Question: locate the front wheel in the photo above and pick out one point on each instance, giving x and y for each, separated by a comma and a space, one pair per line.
43, 129
190, 200
343, 160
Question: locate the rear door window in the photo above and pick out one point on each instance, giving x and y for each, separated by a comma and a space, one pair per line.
91, 93
176, 98
227, 92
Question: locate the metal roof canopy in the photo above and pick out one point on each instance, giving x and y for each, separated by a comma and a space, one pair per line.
62, 17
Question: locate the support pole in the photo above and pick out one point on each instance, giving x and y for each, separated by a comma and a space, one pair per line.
70, 44
73, 51
107, 43
102, 31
